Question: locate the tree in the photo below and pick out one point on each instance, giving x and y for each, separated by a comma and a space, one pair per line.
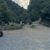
40, 8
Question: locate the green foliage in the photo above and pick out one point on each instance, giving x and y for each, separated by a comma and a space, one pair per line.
40, 8
5, 12
11, 12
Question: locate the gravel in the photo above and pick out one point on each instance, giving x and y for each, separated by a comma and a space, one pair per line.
37, 38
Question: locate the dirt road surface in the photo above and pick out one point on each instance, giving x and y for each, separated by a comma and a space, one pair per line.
26, 39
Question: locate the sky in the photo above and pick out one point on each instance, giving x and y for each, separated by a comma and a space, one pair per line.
22, 3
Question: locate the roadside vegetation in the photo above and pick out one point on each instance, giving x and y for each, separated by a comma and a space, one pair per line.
11, 12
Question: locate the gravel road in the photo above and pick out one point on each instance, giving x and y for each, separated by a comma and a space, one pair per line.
37, 38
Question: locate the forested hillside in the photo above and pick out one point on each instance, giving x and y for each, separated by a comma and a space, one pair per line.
12, 12
40, 8
9, 11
